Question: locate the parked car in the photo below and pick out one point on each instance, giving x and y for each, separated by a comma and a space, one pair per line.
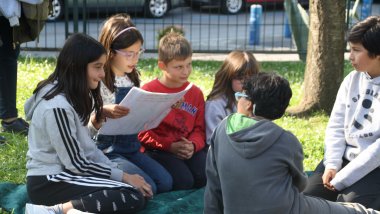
235, 6
151, 8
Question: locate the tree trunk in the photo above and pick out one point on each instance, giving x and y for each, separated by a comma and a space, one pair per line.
325, 57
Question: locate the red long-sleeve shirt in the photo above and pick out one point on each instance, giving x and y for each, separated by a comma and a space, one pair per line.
186, 121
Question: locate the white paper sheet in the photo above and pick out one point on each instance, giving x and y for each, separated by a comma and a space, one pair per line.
146, 111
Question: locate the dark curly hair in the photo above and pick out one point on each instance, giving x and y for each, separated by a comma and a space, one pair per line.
270, 93
367, 33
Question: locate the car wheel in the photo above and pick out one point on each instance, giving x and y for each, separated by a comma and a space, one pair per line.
231, 6
57, 10
157, 8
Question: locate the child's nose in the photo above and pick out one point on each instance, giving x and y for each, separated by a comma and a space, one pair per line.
187, 69
351, 56
102, 73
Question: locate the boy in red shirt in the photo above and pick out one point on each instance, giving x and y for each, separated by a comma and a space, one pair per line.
178, 142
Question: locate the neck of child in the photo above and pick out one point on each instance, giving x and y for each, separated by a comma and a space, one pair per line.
374, 74
117, 72
169, 83
374, 70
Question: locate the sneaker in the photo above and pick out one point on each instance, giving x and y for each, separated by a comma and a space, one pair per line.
75, 211
17, 126
40, 209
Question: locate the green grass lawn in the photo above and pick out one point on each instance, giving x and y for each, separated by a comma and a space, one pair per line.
309, 131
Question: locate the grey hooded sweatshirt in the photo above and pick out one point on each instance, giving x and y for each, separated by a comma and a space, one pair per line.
259, 170
59, 143
256, 170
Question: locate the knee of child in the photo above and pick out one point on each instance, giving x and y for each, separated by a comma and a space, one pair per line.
165, 185
184, 183
200, 181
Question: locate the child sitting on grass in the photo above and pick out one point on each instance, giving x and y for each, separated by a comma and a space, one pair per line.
64, 166
178, 142
255, 166
123, 43
238, 66
350, 169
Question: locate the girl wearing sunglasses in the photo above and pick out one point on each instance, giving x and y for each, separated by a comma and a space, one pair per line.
238, 66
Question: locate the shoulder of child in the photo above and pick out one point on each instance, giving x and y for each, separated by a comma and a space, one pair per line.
147, 86
195, 87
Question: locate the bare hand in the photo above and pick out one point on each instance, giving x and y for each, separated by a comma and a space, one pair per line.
140, 183
328, 175
183, 149
114, 111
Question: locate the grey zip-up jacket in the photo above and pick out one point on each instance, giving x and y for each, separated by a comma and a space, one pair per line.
58, 141
258, 169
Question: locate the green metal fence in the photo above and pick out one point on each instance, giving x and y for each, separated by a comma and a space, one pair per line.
208, 27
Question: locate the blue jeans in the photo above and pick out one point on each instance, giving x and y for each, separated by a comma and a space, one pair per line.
8, 71
127, 147
124, 149
186, 174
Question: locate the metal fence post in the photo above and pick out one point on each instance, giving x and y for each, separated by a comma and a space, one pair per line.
255, 24
287, 30
366, 9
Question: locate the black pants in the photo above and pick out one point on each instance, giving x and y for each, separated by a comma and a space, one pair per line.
86, 194
8, 71
186, 174
366, 191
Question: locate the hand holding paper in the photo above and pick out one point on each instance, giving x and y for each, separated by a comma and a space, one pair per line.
146, 111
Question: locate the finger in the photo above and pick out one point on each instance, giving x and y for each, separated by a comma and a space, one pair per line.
180, 156
147, 190
182, 153
329, 187
186, 140
189, 147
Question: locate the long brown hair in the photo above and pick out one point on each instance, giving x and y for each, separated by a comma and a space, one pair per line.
70, 76
112, 40
237, 65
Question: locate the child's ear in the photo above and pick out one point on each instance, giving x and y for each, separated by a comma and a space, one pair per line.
161, 65
110, 54
249, 106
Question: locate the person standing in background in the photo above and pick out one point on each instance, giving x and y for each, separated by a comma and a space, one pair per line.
10, 12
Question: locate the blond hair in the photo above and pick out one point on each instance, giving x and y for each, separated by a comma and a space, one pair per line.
173, 46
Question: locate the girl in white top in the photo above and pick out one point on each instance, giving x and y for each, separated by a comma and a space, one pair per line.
123, 42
